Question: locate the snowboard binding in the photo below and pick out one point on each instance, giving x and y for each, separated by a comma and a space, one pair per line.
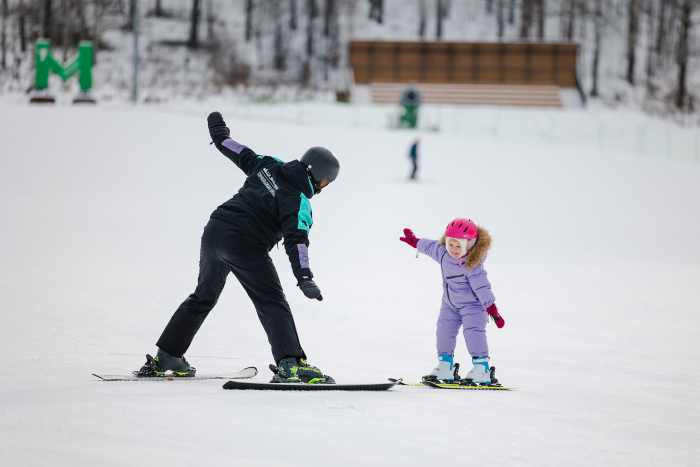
433, 379
281, 376
493, 384
151, 369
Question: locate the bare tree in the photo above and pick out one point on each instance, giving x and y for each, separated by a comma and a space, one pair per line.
650, 45
633, 26
500, 20
511, 12
572, 20
598, 35
65, 20
661, 29
422, 13
22, 27
47, 32
312, 12
193, 41
81, 17
3, 35
441, 13
98, 11
686, 11
526, 19
540, 11
376, 10
330, 29
293, 15
129, 24
248, 20
328, 17
210, 23
279, 43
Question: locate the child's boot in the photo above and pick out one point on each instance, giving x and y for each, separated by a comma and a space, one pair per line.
481, 371
445, 370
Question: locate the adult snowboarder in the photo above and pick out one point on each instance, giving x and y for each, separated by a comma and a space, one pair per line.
272, 204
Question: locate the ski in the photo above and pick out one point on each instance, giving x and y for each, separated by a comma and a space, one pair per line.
243, 374
458, 383
307, 387
431, 384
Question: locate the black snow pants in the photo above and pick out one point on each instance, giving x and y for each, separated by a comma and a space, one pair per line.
228, 248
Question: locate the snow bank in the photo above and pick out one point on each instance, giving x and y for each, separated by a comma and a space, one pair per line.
595, 267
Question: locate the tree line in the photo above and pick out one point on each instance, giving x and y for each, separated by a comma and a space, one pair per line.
305, 41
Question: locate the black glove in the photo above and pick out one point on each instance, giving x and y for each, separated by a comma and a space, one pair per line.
309, 288
217, 127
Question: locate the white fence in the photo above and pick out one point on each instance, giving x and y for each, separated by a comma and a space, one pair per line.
601, 130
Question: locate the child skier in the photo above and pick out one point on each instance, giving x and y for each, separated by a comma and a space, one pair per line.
467, 299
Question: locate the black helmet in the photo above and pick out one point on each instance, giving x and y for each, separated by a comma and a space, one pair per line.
410, 96
320, 163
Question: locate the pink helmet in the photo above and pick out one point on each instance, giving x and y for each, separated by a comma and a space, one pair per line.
464, 230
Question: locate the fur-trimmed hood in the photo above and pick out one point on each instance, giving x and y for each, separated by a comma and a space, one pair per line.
477, 253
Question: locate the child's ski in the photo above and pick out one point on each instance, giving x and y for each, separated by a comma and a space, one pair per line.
458, 383
432, 384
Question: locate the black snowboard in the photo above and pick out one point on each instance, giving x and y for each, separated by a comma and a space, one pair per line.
307, 387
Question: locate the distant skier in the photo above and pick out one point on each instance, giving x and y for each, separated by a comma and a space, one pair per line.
273, 203
467, 299
414, 158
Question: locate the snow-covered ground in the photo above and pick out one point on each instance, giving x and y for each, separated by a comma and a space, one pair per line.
595, 267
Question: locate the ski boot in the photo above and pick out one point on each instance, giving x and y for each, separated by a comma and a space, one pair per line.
296, 370
162, 363
481, 374
446, 371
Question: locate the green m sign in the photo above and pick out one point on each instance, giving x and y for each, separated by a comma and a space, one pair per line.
80, 63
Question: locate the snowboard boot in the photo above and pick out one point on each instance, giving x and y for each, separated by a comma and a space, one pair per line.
296, 370
481, 372
162, 363
446, 370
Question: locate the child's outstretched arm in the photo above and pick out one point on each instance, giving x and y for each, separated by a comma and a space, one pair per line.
423, 245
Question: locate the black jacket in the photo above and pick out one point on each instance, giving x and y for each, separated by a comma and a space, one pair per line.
273, 202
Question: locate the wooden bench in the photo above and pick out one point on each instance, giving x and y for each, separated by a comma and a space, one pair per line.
471, 94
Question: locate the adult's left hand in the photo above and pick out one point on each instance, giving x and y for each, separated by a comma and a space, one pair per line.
310, 289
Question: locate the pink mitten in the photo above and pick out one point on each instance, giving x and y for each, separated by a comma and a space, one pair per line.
497, 318
409, 238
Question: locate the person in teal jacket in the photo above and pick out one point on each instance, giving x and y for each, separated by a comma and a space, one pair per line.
274, 203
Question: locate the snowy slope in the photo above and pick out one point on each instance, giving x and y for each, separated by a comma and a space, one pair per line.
595, 266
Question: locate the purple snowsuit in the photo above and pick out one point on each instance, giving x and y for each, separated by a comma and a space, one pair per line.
465, 297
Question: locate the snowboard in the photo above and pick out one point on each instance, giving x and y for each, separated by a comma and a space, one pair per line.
307, 387
434, 385
243, 374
